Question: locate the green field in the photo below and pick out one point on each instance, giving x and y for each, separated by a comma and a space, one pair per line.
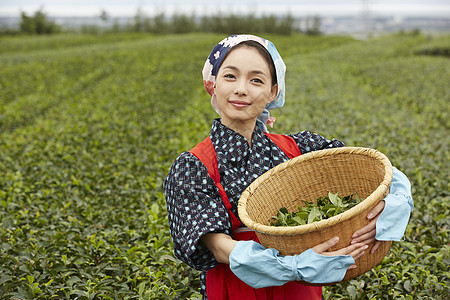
90, 125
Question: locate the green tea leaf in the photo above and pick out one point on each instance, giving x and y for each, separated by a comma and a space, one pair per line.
314, 215
324, 208
333, 198
299, 220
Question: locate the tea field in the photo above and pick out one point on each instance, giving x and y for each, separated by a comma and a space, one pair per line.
90, 125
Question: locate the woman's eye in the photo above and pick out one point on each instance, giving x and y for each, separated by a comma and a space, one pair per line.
229, 76
257, 80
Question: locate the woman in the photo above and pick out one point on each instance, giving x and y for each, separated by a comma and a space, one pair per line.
244, 74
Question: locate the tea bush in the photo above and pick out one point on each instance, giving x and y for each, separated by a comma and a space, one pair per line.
89, 127
436, 47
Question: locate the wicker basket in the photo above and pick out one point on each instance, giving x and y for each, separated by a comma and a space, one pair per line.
345, 170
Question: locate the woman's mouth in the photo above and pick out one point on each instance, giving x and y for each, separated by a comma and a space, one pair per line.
239, 104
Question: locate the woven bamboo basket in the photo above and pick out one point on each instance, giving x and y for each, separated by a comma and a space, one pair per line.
346, 170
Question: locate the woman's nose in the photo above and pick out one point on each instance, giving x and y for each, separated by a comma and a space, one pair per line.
241, 88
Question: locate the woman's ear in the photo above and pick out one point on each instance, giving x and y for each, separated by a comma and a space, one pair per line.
273, 92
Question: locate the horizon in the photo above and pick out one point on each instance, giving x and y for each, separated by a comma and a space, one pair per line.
323, 8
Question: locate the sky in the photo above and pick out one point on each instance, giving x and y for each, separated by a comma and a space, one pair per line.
117, 8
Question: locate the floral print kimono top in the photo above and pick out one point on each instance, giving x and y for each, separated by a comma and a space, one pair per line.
193, 202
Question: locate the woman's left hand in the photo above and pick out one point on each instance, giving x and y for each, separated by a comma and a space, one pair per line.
366, 235
391, 214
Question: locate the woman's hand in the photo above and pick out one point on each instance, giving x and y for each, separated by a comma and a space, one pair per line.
220, 244
366, 235
356, 250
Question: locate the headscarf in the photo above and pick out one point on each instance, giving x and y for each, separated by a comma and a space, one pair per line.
215, 59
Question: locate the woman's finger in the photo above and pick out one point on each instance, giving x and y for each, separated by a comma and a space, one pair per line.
358, 252
366, 235
354, 250
376, 210
366, 229
375, 247
321, 248
365, 238
368, 241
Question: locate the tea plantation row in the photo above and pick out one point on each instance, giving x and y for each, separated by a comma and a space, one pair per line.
89, 127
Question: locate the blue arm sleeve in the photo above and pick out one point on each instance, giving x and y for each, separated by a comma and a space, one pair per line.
260, 267
391, 224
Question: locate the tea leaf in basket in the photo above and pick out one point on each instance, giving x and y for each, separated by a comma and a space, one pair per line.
330, 210
314, 215
335, 199
323, 208
298, 221
280, 217
284, 210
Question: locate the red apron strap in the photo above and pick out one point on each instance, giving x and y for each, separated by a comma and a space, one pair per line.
205, 152
286, 144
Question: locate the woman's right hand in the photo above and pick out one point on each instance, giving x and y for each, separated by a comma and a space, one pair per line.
356, 250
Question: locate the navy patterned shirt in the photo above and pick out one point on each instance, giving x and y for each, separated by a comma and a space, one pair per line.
194, 205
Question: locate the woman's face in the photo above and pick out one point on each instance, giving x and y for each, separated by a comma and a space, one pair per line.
243, 87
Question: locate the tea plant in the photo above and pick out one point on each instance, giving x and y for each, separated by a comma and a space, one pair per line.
89, 127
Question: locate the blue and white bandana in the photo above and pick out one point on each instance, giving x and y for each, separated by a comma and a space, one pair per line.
215, 59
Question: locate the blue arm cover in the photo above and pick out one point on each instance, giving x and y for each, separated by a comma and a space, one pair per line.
391, 224
260, 267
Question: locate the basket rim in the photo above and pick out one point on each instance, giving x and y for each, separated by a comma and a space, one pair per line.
379, 193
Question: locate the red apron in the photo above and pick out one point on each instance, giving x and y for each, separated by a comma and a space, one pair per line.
221, 283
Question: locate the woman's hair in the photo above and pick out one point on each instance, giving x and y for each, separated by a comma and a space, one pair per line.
264, 53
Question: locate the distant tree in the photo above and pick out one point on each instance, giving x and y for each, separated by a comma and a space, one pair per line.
139, 21
312, 26
27, 24
160, 25
234, 23
268, 23
182, 23
286, 24
37, 24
